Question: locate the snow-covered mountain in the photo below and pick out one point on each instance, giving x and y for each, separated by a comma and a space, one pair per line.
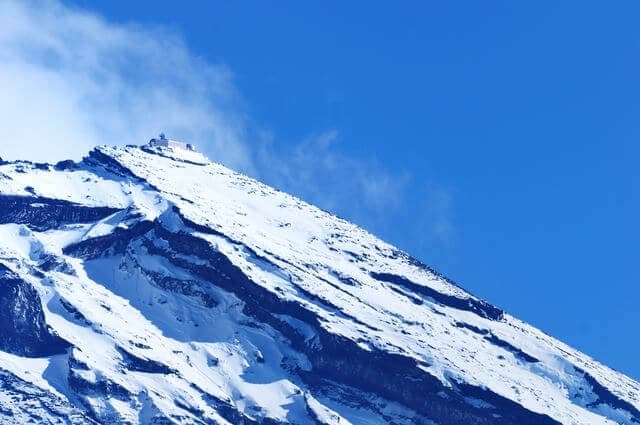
147, 285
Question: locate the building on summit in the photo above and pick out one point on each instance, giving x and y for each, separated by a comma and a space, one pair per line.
162, 141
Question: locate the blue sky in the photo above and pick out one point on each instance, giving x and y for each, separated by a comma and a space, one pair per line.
497, 141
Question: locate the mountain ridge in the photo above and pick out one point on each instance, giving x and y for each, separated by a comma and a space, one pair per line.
259, 307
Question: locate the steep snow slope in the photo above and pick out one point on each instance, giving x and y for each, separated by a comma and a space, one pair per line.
149, 285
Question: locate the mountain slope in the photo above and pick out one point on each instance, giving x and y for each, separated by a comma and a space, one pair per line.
149, 285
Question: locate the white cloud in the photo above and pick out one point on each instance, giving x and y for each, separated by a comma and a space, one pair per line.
315, 169
70, 80
438, 208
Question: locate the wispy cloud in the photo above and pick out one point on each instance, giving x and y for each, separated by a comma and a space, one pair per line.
438, 206
70, 79
317, 170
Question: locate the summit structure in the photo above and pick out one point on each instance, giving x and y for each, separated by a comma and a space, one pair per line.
162, 141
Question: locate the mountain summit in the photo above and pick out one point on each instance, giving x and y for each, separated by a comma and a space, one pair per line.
148, 285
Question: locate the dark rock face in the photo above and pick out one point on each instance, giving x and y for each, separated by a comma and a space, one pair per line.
606, 397
23, 330
65, 165
479, 307
138, 364
99, 159
44, 214
37, 402
336, 361
113, 243
277, 330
